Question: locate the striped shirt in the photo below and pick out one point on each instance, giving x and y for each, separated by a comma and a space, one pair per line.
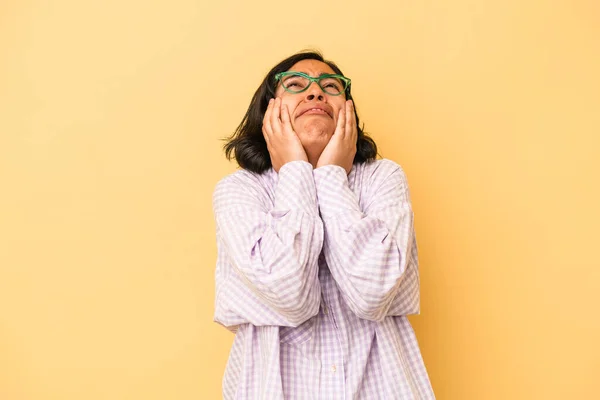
316, 272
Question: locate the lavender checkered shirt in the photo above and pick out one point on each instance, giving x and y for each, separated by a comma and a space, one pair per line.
316, 272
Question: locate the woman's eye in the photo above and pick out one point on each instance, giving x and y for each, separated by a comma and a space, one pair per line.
291, 83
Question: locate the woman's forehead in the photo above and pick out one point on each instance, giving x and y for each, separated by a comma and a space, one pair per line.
312, 67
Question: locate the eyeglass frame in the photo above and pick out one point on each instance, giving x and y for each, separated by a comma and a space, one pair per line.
346, 81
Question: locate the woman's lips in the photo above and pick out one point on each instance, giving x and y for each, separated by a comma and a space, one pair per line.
315, 111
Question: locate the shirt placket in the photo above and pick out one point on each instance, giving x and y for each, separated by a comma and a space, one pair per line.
333, 372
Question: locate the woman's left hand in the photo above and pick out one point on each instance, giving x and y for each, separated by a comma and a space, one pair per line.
341, 148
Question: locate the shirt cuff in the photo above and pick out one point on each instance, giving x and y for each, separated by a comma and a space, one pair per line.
296, 188
333, 192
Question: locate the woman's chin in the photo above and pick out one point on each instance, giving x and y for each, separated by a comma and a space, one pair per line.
316, 139
316, 131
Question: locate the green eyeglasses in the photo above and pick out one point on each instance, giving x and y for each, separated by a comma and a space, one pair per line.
298, 82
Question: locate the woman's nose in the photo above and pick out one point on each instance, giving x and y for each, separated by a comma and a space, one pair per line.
314, 91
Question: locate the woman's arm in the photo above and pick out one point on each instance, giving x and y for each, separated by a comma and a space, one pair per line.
267, 270
372, 252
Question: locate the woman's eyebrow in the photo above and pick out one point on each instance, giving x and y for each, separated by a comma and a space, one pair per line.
320, 74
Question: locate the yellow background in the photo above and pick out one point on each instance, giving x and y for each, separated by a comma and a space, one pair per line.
110, 118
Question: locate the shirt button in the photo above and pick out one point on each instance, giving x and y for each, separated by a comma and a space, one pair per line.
333, 368
325, 310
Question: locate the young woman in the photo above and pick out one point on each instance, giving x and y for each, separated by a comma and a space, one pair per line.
317, 259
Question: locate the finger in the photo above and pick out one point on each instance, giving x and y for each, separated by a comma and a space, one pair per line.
354, 123
275, 114
348, 128
267, 128
353, 112
285, 117
341, 124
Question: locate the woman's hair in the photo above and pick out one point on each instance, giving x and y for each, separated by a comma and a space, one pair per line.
248, 143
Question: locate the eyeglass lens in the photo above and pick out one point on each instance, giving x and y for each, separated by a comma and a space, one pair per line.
298, 83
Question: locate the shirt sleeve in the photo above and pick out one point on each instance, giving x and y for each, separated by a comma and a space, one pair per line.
371, 253
268, 249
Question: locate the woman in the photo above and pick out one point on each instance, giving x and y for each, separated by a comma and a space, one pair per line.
317, 261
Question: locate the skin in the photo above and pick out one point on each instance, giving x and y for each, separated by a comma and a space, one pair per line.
319, 137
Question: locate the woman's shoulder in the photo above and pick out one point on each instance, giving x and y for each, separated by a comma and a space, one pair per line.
380, 178
380, 169
243, 182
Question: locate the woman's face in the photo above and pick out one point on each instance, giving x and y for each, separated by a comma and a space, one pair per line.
313, 112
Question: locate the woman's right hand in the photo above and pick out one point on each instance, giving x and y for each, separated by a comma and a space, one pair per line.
282, 142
